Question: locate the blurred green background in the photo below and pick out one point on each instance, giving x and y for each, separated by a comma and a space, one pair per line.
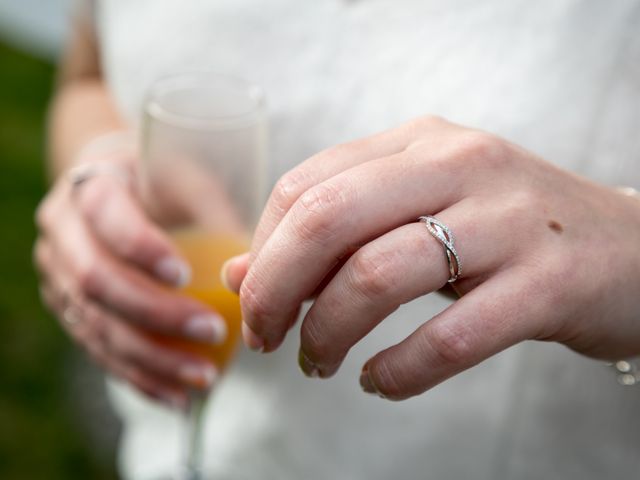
44, 385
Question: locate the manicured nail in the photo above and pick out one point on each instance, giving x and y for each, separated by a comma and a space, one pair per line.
206, 328
173, 271
307, 366
366, 383
251, 340
201, 376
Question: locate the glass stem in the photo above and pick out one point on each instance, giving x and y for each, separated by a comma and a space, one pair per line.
192, 454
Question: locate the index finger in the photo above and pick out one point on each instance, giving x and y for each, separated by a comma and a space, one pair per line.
325, 222
317, 169
118, 220
127, 292
321, 167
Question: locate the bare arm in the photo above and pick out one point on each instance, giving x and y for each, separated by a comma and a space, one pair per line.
82, 108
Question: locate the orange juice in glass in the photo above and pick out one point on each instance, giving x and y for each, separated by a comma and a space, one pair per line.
202, 176
206, 252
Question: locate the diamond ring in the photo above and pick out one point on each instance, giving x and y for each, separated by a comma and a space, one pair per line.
441, 232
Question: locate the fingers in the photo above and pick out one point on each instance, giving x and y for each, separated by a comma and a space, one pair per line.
118, 221
154, 388
393, 269
127, 292
502, 312
137, 349
343, 211
102, 301
315, 170
321, 167
233, 271
120, 347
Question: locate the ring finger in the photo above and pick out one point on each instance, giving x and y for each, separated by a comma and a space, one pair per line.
79, 326
404, 264
104, 334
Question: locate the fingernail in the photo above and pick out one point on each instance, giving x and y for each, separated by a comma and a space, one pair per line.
223, 274
206, 328
366, 383
251, 340
173, 271
226, 266
201, 376
307, 366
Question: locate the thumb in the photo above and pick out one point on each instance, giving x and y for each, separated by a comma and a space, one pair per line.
234, 270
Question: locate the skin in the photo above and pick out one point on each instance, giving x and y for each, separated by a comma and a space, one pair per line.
547, 255
98, 254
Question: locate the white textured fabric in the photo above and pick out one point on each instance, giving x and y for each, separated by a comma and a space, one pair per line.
560, 77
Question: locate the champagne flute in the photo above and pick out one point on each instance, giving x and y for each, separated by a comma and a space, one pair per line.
202, 179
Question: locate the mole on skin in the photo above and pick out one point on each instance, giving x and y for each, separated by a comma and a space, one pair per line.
555, 226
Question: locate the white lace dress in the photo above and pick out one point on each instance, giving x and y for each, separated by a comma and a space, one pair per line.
560, 77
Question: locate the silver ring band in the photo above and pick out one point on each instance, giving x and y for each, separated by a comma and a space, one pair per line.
81, 173
441, 232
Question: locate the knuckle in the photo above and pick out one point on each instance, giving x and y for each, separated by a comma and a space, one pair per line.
485, 149
94, 200
159, 315
287, 190
89, 279
43, 214
447, 345
426, 121
343, 150
148, 355
318, 211
136, 242
374, 272
417, 126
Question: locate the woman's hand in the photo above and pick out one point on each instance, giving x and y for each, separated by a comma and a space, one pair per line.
546, 255
105, 272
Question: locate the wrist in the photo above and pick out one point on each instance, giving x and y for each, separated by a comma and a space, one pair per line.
112, 154
117, 147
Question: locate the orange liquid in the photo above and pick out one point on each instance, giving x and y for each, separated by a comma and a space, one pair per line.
206, 252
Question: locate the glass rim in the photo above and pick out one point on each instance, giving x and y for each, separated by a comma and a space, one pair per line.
154, 108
